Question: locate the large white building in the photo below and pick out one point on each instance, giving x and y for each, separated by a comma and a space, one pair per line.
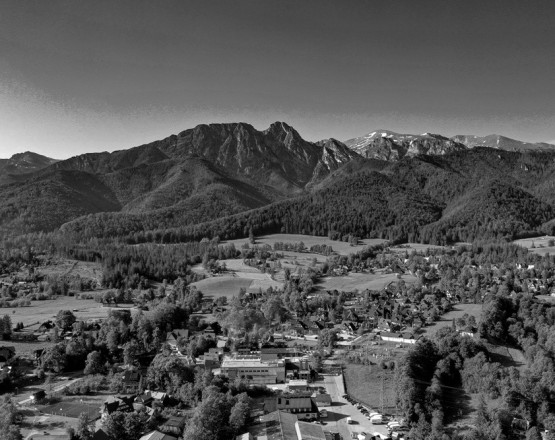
252, 369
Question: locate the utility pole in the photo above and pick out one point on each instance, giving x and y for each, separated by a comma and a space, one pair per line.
382, 396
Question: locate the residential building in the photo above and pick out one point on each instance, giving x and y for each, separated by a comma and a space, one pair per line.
300, 404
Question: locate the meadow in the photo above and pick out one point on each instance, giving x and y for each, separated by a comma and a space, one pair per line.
538, 245
363, 281
341, 247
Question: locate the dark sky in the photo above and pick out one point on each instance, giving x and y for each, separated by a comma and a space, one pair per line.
83, 76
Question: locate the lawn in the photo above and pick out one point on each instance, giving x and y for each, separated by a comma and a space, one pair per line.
458, 311
70, 409
362, 281
364, 383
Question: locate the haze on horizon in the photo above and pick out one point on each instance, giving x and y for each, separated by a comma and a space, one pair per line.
89, 76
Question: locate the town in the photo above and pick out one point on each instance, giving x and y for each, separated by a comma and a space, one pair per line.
299, 360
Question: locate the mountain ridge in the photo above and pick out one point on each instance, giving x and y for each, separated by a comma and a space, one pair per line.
226, 179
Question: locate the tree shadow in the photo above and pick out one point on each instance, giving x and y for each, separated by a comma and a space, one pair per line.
457, 404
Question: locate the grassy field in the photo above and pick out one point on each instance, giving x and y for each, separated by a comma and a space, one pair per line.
229, 285
538, 245
458, 311
71, 409
40, 311
239, 276
362, 281
340, 247
364, 383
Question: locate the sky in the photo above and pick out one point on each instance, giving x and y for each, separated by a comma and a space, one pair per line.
105, 75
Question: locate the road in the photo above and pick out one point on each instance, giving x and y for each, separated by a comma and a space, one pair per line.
341, 409
24, 397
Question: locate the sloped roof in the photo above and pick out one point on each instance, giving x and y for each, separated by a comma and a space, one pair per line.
157, 435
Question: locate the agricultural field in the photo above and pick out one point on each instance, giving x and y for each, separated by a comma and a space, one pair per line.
538, 245
364, 383
363, 281
340, 247
458, 311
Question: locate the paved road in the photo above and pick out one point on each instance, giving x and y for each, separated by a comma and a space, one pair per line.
341, 409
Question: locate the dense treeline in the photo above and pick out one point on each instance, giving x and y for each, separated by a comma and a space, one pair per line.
130, 265
364, 205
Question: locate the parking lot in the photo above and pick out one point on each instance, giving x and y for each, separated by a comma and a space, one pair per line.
341, 409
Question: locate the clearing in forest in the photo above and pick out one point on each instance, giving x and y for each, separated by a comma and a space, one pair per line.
363, 281
538, 245
340, 247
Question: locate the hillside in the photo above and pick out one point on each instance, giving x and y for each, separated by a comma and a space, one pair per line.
226, 179
201, 174
22, 163
365, 204
46, 201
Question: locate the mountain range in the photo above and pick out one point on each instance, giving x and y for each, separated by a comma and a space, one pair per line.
226, 179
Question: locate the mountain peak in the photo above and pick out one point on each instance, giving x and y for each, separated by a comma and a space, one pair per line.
23, 163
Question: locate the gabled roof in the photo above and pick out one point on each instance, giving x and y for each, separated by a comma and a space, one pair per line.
177, 333
157, 435
279, 425
309, 431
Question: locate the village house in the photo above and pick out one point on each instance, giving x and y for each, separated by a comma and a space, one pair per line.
131, 381
400, 337
149, 398
157, 435
298, 403
174, 425
173, 337
113, 403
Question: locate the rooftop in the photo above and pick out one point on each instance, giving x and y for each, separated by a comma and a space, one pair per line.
240, 361
309, 431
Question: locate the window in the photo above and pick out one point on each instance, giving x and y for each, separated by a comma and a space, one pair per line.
287, 402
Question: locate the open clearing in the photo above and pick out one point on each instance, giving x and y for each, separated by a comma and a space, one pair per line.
71, 268
538, 245
340, 247
458, 311
239, 276
362, 281
40, 311
418, 247
230, 285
